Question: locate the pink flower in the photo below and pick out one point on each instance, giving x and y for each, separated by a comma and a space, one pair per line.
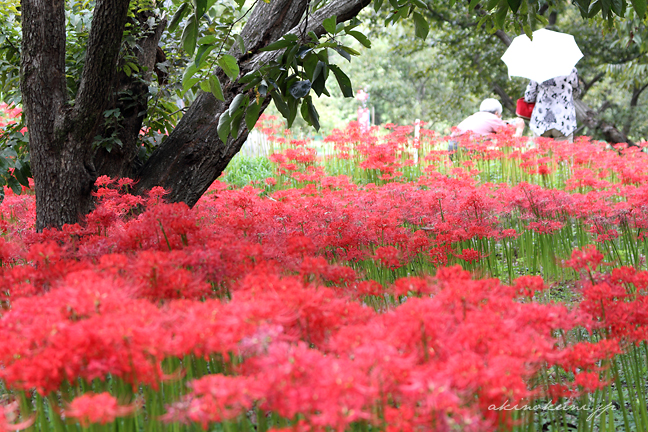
97, 408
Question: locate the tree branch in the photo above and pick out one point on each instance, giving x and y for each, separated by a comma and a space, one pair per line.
588, 85
343, 9
108, 22
634, 100
506, 40
193, 156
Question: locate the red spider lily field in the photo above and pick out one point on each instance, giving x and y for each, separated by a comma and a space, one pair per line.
376, 282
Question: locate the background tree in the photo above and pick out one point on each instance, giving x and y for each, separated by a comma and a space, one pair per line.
85, 118
465, 59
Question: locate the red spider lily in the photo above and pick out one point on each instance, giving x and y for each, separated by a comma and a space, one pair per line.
528, 285
588, 258
99, 408
469, 255
215, 398
9, 413
388, 256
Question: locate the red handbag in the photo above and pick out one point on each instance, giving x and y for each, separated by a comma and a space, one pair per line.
524, 109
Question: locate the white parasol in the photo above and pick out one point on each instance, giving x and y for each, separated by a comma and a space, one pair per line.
550, 54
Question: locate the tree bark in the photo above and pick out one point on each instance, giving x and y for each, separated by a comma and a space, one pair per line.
634, 101
130, 96
591, 120
193, 156
61, 134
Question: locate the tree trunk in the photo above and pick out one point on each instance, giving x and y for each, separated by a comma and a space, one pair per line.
193, 156
61, 134
586, 116
130, 96
634, 101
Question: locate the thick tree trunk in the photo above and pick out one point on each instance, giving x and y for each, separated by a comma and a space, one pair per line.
61, 134
193, 156
63, 162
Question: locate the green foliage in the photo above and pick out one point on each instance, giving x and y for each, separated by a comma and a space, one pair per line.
244, 170
10, 39
15, 170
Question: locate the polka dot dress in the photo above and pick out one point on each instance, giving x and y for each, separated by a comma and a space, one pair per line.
554, 100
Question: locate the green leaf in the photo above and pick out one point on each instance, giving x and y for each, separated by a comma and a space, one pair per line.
514, 5
312, 114
26, 170
310, 64
200, 6
215, 88
421, 26
618, 7
238, 102
280, 104
14, 185
319, 68
224, 126
229, 65
491, 4
377, 5
527, 30
236, 125
280, 44
293, 106
203, 54
241, 43
300, 89
640, 8
594, 9
343, 53
350, 50
323, 56
180, 13
189, 35
263, 88
343, 81
186, 85
21, 178
330, 24
249, 77
252, 114
304, 113
313, 36
364, 40
402, 13
583, 6
319, 78
204, 85
500, 15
